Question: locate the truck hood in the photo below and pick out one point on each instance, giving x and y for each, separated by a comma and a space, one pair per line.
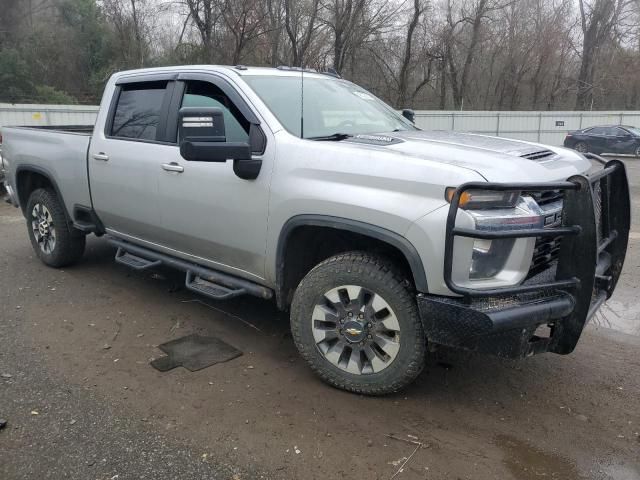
495, 159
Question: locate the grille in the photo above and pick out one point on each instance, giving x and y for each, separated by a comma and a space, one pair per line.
597, 207
546, 197
545, 253
547, 249
538, 156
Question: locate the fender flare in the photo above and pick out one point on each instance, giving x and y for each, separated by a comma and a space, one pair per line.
45, 173
392, 238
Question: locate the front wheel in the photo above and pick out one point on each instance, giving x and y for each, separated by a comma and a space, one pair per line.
355, 320
54, 241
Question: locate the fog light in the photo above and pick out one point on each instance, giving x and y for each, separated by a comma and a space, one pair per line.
489, 257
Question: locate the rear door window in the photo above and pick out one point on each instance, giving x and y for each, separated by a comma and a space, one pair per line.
137, 113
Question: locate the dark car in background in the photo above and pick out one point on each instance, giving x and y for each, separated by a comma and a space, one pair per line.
605, 139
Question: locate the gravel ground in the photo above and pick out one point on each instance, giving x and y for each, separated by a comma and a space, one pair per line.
76, 345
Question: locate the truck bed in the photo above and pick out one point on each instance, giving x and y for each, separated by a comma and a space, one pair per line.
58, 151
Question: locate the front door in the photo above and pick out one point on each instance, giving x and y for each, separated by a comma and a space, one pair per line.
206, 210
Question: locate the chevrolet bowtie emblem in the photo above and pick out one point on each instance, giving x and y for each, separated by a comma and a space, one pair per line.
353, 331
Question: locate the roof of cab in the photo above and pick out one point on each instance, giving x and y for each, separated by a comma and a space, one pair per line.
240, 70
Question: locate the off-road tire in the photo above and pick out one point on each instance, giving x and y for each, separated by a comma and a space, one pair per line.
69, 244
377, 275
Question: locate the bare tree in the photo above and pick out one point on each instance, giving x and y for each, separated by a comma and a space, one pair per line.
301, 23
597, 19
472, 15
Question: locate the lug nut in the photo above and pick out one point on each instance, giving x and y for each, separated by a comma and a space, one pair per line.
369, 336
342, 320
368, 325
361, 315
351, 314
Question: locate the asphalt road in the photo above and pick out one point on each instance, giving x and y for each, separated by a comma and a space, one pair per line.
81, 400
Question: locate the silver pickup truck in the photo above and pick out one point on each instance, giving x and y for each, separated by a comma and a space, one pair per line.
301, 187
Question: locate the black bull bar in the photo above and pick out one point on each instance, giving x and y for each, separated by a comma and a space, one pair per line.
505, 321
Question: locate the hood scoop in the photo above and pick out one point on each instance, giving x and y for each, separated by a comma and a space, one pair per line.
539, 155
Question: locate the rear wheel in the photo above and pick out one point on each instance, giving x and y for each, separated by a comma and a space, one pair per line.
54, 241
355, 320
582, 147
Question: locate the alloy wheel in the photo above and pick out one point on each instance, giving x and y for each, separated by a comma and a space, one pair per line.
356, 330
43, 228
582, 147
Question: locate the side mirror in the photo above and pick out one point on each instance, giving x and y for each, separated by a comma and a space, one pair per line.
409, 115
202, 137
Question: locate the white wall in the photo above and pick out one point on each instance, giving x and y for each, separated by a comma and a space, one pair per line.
543, 127
42, 115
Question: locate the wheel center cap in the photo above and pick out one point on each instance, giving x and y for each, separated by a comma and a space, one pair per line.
43, 227
354, 331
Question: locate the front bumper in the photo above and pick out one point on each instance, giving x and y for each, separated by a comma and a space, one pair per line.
507, 321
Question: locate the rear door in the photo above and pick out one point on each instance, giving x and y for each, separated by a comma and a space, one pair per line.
597, 139
125, 159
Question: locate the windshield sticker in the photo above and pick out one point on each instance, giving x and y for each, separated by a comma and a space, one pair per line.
362, 95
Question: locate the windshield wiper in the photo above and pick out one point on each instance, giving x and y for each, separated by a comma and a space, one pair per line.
334, 137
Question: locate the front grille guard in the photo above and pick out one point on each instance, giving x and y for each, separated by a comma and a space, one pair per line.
595, 230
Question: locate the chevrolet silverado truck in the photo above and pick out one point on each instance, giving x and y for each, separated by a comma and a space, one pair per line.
379, 238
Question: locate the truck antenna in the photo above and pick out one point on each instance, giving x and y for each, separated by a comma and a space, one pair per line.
302, 100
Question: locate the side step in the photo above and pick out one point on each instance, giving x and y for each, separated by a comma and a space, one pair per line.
85, 227
210, 289
134, 261
212, 283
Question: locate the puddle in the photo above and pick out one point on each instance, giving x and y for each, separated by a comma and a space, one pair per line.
626, 472
623, 316
526, 462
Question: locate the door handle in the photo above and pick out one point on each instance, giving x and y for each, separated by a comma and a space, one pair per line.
172, 167
101, 156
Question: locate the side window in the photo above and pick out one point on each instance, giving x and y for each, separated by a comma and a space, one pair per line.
620, 132
596, 131
138, 110
205, 94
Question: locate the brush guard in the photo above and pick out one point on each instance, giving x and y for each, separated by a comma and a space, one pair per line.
505, 321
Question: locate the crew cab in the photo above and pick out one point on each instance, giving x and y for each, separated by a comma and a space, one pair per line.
303, 188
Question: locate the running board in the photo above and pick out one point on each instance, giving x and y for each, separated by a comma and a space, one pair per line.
134, 261
210, 289
212, 283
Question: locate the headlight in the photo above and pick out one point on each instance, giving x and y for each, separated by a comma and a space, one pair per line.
489, 257
483, 199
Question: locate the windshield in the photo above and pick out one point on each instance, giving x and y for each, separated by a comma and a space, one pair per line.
330, 106
634, 130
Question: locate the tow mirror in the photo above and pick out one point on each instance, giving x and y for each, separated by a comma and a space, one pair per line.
409, 115
202, 137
